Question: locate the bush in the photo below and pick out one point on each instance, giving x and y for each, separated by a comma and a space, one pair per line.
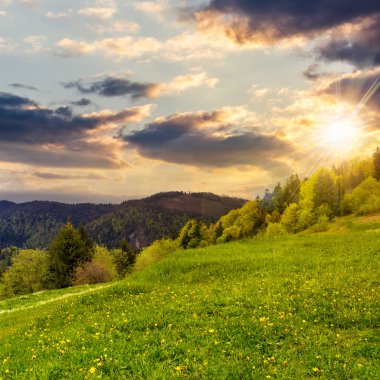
230, 234
91, 273
364, 199
155, 252
321, 225
124, 258
100, 269
275, 229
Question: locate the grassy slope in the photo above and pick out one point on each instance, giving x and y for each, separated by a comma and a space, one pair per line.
293, 308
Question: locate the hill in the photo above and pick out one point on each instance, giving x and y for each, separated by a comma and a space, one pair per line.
34, 224
292, 307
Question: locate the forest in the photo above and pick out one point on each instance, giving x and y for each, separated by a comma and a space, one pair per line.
74, 258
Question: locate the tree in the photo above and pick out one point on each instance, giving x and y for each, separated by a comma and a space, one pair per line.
192, 234
325, 190
292, 189
124, 258
88, 242
278, 198
290, 217
67, 251
27, 274
376, 164
364, 199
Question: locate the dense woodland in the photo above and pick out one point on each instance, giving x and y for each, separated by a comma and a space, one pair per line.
74, 257
34, 224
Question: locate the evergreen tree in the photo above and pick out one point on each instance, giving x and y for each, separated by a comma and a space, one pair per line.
89, 243
67, 251
278, 198
376, 164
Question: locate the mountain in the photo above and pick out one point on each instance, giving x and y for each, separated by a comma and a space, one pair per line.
34, 224
6, 205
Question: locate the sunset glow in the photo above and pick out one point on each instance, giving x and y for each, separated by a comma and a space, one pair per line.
340, 135
107, 100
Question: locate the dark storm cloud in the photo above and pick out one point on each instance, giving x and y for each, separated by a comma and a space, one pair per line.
23, 86
84, 102
285, 18
361, 48
186, 139
23, 121
13, 101
35, 135
112, 86
354, 88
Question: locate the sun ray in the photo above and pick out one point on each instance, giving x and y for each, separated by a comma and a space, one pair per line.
371, 91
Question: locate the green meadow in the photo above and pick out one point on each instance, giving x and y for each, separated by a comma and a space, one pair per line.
293, 307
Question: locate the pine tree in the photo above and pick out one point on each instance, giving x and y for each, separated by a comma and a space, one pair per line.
67, 251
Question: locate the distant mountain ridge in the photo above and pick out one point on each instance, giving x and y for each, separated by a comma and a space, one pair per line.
34, 224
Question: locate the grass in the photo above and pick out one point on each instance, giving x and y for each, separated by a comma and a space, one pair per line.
297, 307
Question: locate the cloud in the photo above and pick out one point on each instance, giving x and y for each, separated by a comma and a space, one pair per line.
112, 86
185, 46
257, 91
102, 14
82, 102
151, 7
361, 89
54, 16
359, 46
70, 48
7, 44
23, 86
116, 26
64, 177
37, 42
184, 82
210, 139
95, 156
34, 134
249, 20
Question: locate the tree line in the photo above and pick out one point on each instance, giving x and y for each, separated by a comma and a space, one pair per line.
352, 187
74, 259
71, 259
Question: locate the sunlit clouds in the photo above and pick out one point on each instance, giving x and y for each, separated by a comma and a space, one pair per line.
108, 99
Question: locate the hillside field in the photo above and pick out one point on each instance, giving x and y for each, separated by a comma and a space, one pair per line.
294, 307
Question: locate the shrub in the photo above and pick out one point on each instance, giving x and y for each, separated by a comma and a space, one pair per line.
364, 199
321, 225
275, 229
91, 273
124, 258
229, 234
155, 252
100, 269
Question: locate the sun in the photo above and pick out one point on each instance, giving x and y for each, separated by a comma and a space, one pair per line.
340, 134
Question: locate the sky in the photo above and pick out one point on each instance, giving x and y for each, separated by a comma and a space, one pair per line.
108, 100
